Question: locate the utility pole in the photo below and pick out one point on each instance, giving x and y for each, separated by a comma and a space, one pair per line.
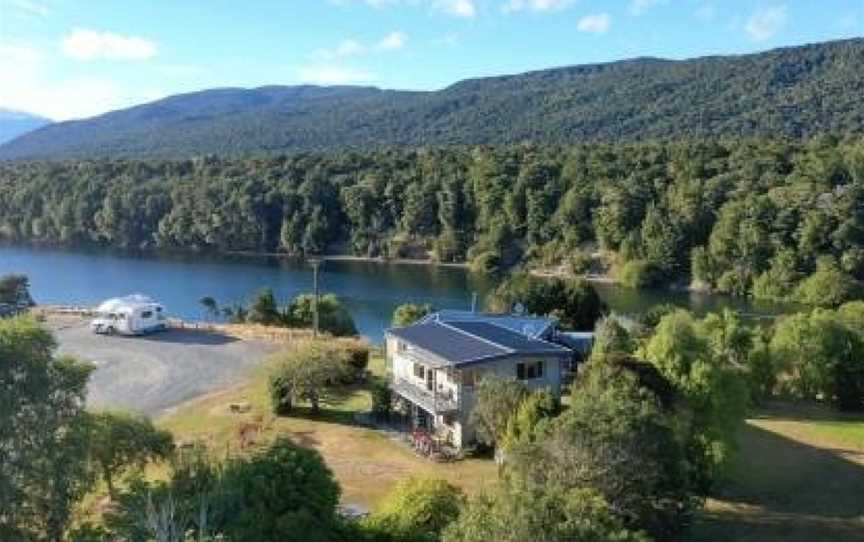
316, 263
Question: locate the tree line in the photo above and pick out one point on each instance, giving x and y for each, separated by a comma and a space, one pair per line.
771, 218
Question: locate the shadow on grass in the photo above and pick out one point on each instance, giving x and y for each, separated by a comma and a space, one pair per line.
805, 412
324, 415
781, 489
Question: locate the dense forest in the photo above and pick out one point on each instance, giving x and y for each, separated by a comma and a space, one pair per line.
796, 92
772, 218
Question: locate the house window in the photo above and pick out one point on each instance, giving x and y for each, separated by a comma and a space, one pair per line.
470, 377
529, 370
401, 346
419, 371
147, 314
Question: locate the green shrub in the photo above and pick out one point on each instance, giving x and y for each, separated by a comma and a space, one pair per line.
382, 400
416, 510
486, 263
638, 274
580, 262
409, 313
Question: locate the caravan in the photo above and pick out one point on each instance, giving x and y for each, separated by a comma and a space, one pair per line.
131, 315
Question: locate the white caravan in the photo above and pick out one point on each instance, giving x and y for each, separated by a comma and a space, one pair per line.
131, 315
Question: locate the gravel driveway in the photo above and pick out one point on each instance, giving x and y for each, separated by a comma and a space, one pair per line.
153, 373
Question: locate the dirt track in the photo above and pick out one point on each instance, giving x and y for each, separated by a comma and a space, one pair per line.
153, 373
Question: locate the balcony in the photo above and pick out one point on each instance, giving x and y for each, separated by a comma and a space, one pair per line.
436, 403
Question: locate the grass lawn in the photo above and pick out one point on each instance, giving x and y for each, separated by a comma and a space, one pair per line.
799, 476
366, 462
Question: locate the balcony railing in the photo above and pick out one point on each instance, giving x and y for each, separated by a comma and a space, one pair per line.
434, 402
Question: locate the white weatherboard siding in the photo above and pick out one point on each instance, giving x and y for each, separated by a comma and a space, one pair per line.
452, 396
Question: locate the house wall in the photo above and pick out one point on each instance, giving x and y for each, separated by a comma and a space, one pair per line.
462, 431
506, 369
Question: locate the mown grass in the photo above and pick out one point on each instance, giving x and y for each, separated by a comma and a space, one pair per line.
799, 476
367, 462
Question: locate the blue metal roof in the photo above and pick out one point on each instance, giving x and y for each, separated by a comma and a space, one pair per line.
459, 343
507, 338
533, 326
448, 343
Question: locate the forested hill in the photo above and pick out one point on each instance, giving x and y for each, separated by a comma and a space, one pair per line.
795, 91
774, 219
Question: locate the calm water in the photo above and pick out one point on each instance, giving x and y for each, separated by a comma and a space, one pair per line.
370, 290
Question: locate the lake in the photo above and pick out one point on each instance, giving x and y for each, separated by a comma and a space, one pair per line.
370, 290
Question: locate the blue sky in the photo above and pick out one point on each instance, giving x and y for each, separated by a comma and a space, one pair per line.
75, 58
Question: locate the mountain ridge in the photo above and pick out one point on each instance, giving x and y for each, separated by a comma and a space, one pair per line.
14, 123
793, 91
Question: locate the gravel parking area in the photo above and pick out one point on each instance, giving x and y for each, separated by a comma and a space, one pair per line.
153, 373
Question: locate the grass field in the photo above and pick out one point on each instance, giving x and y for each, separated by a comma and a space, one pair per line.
799, 476
367, 462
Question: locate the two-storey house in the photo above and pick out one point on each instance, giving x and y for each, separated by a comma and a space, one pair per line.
436, 363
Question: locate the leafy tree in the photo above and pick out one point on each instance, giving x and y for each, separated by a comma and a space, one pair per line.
827, 287
622, 440
382, 400
821, 357
553, 515
416, 510
278, 493
44, 434
15, 290
310, 371
536, 408
409, 313
121, 440
780, 280
333, 317
704, 366
575, 303
639, 274
264, 309
281, 492
611, 338
496, 401
210, 306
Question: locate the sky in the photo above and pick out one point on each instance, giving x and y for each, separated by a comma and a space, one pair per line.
68, 59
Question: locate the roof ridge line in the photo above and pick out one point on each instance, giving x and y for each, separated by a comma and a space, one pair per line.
473, 336
528, 337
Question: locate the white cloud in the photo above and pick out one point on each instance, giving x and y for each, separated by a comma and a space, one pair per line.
513, 6
28, 6
458, 8
393, 41
333, 75
638, 7
27, 84
84, 44
765, 22
597, 23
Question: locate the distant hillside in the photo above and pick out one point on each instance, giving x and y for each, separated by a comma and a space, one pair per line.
794, 91
16, 123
